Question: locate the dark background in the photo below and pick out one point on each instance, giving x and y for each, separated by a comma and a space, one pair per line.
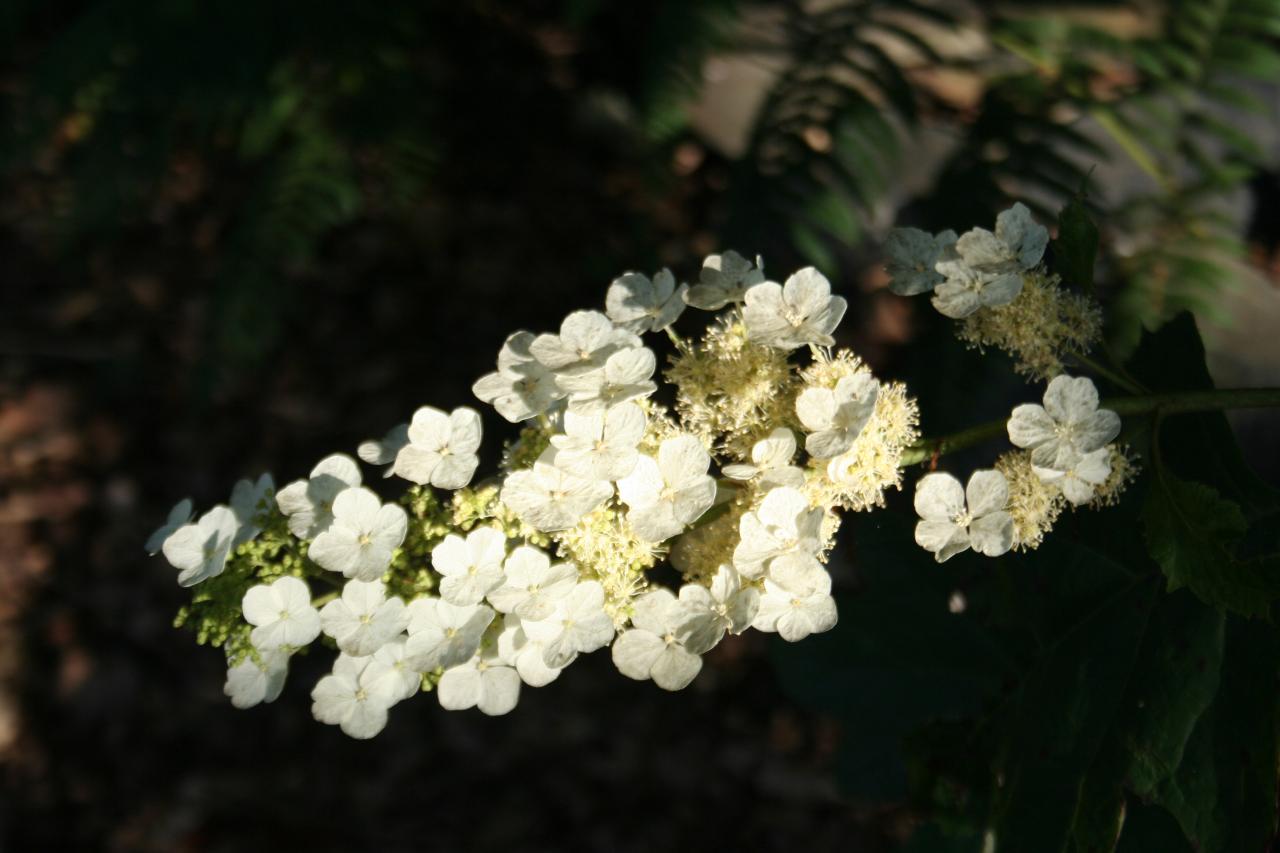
238, 239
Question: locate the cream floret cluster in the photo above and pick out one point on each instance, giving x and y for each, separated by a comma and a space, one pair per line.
474, 592
995, 285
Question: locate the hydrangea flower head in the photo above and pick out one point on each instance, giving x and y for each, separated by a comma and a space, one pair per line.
664, 495
948, 526
522, 387
309, 503
724, 280
441, 449
651, 648
913, 256
199, 551
835, 417
637, 304
281, 614
364, 534
794, 314
1068, 425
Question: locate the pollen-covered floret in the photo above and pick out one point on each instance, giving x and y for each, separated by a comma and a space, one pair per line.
731, 392
1124, 468
1040, 328
1033, 504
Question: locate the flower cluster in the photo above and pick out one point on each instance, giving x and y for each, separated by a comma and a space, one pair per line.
996, 286
497, 587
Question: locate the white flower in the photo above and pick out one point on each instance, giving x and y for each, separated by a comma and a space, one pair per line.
835, 418
966, 290
178, 516
1067, 426
384, 451
663, 496
802, 311
363, 619
625, 376
985, 269
797, 599
281, 613
200, 550
248, 499
526, 655
913, 255
585, 342
1017, 244
637, 304
388, 671
600, 446
578, 625
784, 523
548, 498
487, 681
651, 648
469, 567
948, 527
1080, 474
533, 586
309, 503
724, 279
770, 462
441, 449
251, 682
364, 534
522, 387
703, 614
443, 634
348, 698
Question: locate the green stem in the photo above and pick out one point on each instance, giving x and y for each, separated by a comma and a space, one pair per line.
1171, 403
1115, 377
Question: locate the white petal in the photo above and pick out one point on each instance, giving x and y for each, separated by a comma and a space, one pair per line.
939, 497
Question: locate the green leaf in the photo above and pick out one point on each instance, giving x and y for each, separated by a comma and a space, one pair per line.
1076, 248
1193, 532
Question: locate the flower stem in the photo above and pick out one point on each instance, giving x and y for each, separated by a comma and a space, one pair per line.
1170, 403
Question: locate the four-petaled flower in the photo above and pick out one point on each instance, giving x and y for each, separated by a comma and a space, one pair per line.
533, 586
835, 417
522, 387
470, 567
1066, 427
703, 614
784, 523
600, 446
637, 304
948, 526
363, 619
549, 498
281, 613
256, 680
652, 647
1080, 475
578, 625
797, 599
664, 495
364, 534
625, 376
441, 449
913, 256
800, 312
309, 503
724, 279
350, 698
199, 551
984, 270
444, 634
585, 342
770, 462
488, 681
